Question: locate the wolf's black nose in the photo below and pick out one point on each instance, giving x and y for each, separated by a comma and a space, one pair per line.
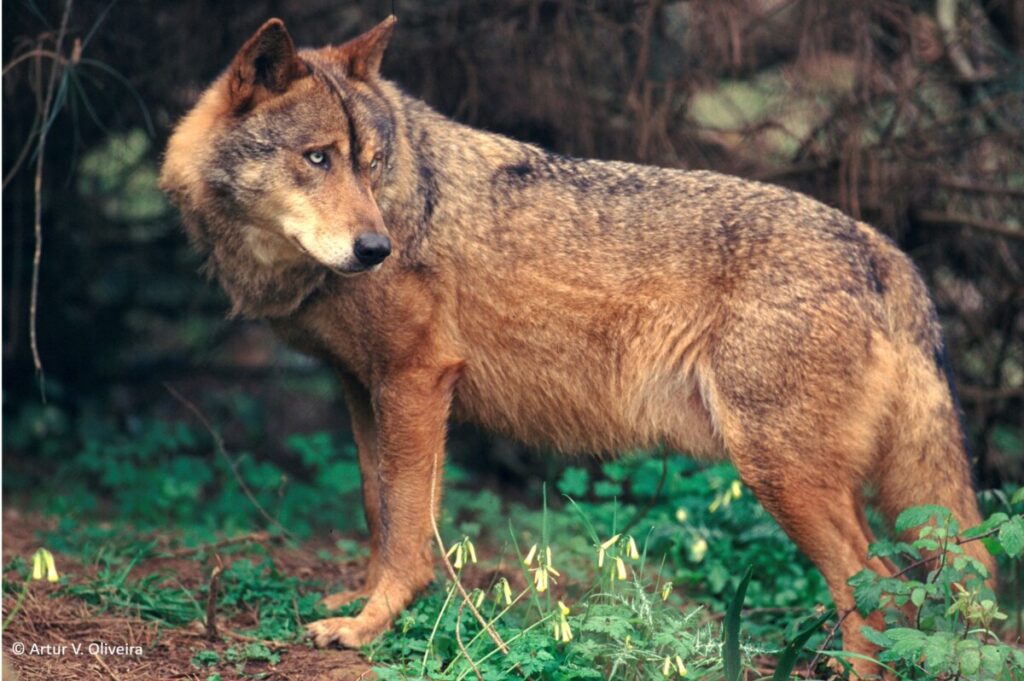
371, 248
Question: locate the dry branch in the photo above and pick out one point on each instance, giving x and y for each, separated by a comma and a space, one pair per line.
978, 224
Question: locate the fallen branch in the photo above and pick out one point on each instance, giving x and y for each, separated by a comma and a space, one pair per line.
980, 224
979, 394
979, 187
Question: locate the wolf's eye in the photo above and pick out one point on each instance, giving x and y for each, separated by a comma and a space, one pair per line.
375, 161
318, 158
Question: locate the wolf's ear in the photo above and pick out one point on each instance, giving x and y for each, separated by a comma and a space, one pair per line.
265, 66
362, 55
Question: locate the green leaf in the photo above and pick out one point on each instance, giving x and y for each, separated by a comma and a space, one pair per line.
605, 489
917, 596
574, 482
877, 637
919, 515
1011, 536
1018, 496
938, 650
993, 521
731, 631
970, 659
993, 659
867, 591
787, 660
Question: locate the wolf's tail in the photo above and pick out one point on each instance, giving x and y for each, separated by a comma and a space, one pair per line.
926, 460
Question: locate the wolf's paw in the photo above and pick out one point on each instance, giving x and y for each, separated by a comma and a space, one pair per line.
346, 631
335, 601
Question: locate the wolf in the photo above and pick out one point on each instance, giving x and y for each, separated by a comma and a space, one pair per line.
577, 305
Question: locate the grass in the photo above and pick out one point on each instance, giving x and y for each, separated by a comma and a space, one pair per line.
573, 595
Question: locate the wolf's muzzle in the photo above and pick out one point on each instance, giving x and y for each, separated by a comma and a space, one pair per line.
371, 248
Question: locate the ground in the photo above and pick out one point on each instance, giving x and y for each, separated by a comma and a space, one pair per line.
49, 620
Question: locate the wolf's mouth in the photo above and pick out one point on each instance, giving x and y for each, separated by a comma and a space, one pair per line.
332, 268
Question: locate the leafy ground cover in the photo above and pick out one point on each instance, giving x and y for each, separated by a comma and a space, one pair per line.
642, 567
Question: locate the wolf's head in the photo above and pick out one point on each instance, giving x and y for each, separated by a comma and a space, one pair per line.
276, 168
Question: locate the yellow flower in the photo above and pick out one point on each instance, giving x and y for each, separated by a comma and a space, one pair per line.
463, 551
680, 666
633, 553
698, 549
504, 591
44, 559
529, 556
682, 515
604, 547
479, 598
666, 667
540, 579
736, 489
545, 572
666, 590
620, 568
563, 632
457, 550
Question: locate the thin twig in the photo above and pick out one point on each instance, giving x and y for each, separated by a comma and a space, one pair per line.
218, 443
38, 52
276, 645
211, 604
959, 541
106, 668
642, 513
254, 537
828, 639
495, 636
458, 640
37, 251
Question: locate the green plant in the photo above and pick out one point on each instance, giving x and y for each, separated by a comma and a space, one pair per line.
939, 624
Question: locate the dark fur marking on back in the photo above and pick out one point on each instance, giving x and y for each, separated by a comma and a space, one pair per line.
874, 277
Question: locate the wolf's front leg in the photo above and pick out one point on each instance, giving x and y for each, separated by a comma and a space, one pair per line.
411, 412
364, 431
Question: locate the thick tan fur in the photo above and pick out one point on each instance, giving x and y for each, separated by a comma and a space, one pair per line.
573, 304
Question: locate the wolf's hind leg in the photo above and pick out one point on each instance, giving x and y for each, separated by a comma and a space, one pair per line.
803, 426
823, 518
364, 431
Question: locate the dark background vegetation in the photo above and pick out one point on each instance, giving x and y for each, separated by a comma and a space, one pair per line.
901, 115
893, 111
